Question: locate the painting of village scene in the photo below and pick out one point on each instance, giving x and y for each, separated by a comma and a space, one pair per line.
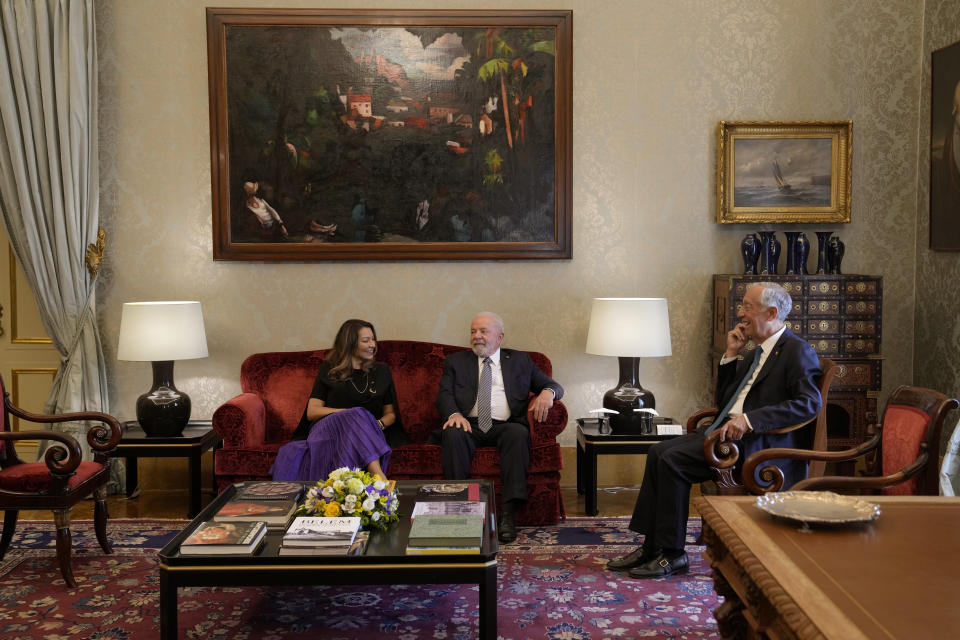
375, 141
783, 172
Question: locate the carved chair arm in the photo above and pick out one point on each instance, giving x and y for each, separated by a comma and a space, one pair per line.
100, 438
720, 454
846, 483
694, 420
55, 455
772, 476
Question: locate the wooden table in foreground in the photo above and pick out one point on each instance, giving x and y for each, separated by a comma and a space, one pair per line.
384, 561
896, 577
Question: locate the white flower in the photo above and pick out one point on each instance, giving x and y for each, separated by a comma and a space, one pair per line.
327, 492
379, 484
355, 486
348, 508
375, 516
350, 499
337, 485
369, 504
336, 473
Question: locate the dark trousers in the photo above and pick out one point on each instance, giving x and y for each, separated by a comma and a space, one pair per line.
512, 441
664, 501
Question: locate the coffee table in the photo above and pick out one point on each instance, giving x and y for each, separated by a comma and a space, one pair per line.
384, 561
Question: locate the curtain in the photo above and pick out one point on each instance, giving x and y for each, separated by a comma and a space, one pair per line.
49, 184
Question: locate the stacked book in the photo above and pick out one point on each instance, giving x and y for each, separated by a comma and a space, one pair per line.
320, 536
446, 527
224, 538
270, 502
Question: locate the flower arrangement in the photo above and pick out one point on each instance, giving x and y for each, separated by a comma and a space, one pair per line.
352, 492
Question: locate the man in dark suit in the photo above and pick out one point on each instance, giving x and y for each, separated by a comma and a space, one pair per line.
484, 397
772, 387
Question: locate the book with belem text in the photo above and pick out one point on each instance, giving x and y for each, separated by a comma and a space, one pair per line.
463, 530
224, 537
449, 508
312, 531
276, 513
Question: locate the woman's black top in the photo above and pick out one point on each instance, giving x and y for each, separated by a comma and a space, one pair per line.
368, 389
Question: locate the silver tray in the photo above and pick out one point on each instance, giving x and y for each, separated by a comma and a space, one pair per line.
818, 506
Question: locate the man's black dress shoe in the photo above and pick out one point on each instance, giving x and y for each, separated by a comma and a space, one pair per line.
661, 566
508, 531
633, 559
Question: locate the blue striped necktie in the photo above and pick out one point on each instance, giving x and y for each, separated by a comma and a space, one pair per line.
484, 419
736, 394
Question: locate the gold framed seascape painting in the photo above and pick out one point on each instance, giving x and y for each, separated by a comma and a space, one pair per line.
387, 134
784, 172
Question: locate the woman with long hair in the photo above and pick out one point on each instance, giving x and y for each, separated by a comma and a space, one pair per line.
352, 403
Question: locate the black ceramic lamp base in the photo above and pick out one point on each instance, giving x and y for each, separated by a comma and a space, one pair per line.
163, 412
627, 396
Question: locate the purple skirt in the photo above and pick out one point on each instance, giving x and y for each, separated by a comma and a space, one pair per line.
350, 438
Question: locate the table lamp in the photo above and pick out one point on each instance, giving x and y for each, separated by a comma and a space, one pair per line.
162, 332
629, 328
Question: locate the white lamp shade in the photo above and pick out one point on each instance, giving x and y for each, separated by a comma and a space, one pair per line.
629, 327
158, 331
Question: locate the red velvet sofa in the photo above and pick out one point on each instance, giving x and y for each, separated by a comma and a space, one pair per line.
276, 386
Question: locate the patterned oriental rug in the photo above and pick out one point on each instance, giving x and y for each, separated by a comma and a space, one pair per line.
552, 585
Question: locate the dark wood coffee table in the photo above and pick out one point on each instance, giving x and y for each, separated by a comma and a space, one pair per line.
384, 561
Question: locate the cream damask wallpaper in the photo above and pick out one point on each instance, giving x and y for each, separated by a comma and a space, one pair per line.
937, 361
651, 81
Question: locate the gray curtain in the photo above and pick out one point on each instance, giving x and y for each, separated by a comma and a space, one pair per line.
49, 182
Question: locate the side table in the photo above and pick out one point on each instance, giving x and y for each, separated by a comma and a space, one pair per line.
198, 437
591, 443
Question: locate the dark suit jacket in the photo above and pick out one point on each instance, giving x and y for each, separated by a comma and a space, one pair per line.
784, 394
461, 373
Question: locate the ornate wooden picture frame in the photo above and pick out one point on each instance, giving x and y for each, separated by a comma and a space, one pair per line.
390, 134
945, 148
779, 172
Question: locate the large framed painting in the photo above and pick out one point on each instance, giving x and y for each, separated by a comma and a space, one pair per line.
945, 148
390, 134
784, 172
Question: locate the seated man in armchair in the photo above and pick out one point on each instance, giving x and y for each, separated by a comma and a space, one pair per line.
772, 387
483, 399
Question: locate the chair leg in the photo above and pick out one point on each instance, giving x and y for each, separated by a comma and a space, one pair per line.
100, 516
61, 519
9, 526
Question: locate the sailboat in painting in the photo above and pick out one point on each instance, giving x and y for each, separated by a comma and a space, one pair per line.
782, 184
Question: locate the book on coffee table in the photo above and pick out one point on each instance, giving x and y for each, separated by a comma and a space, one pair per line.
449, 491
441, 551
449, 508
276, 513
224, 538
310, 531
269, 490
463, 530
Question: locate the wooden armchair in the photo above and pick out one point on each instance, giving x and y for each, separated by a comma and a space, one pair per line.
60, 481
902, 456
723, 456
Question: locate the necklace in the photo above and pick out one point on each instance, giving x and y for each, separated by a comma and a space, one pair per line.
366, 377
